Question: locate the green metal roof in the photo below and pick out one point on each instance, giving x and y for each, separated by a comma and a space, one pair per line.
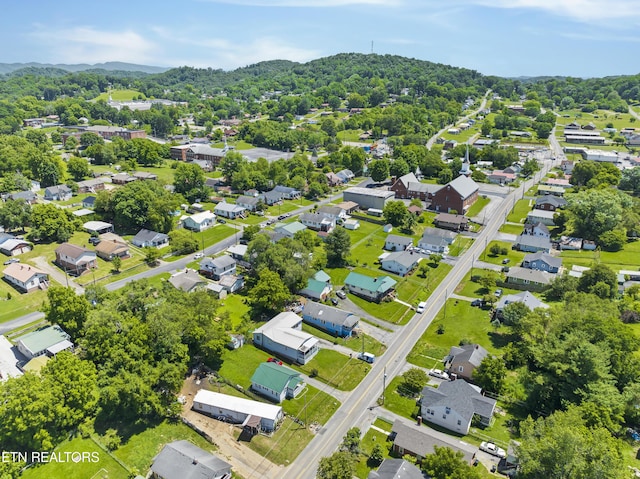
315, 285
43, 338
275, 377
379, 284
322, 276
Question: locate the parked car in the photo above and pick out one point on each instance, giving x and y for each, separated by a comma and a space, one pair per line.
220, 220
341, 294
476, 302
505, 269
198, 255
334, 301
94, 240
492, 449
421, 307
505, 261
12, 260
367, 357
498, 293
437, 373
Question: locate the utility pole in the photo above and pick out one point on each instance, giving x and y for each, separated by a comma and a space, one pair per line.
384, 383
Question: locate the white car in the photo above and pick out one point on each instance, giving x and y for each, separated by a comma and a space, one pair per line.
198, 255
437, 373
492, 449
421, 307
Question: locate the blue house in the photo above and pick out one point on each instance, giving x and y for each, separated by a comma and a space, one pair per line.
332, 320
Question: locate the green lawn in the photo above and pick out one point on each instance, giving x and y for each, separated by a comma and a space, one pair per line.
478, 206
284, 446
511, 229
236, 307
472, 289
519, 212
105, 468
515, 257
460, 321
370, 439
19, 304
392, 311
371, 345
400, 404
118, 95
460, 245
238, 366
627, 258
335, 369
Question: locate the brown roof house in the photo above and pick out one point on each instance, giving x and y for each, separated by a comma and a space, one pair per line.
108, 250
25, 278
75, 259
463, 360
451, 222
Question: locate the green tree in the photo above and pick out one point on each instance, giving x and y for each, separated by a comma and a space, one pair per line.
395, 212
445, 463
561, 446
379, 170
15, 214
89, 138
249, 232
490, 374
340, 465
351, 441
78, 168
117, 263
50, 223
151, 255
66, 308
377, 455
513, 313
399, 168
183, 242
337, 245
269, 294
560, 286
142, 204
189, 180
599, 280
413, 381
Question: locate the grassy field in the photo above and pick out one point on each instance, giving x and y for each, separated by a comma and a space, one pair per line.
360, 343
105, 468
395, 402
478, 206
515, 257
511, 229
335, 369
460, 245
392, 311
119, 95
19, 304
628, 258
165, 172
236, 307
519, 212
370, 439
472, 289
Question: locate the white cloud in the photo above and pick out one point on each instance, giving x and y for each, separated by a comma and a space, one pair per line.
309, 3
591, 11
89, 45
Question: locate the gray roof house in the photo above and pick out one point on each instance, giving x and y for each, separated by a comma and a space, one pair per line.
57, 193
400, 262
184, 460
396, 469
397, 243
529, 279
463, 360
218, 267
417, 442
187, 281
434, 242
542, 262
283, 335
229, 210
532, 244
453, 404
526, 298
147, 238
287, 192
248, 202
332, 320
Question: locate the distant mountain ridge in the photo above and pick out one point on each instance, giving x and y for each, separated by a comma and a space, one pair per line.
107, 66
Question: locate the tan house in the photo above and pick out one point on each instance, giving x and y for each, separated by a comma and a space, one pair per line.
463, 360
25, 278
108, 250
75, 259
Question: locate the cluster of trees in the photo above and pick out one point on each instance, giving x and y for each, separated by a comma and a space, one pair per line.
48, 223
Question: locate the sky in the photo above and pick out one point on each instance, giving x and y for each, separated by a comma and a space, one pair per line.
510, 38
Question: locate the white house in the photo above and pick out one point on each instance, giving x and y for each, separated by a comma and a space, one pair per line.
147, 238
49, 340
229, 210
250, 203
318, 286
400, 262
541, 216
283, 336
25, 278
436, 240
198, 221
218, 267
57, 193
397, 243
276, 382
318, 221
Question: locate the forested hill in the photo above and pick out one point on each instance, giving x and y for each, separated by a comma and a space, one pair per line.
108, 66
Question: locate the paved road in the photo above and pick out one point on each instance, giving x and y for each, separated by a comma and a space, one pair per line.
21, 321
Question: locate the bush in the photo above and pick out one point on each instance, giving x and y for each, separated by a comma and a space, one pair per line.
112, 440
440, 329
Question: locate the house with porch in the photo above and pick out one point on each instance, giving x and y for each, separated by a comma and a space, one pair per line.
25, 278
397, 242
283, 336
152, 239
49, 341
463, 360
108, 250
288, 192
187, 281
536, 229
400, 262
318, 221
371, 289
250, 203
229, 210
334, 321
199, 221
541, 216
453, 405
529, 279
276, 382
74, 259
217, 267
318, 286
58, 193
532, 243
451, 222
13, 246
436, 240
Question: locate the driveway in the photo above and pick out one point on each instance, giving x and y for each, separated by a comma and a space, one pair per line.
65, 280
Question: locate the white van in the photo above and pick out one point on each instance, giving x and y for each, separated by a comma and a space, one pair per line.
367, 357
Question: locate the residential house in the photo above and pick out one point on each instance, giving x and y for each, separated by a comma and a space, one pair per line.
75, 259
545, 190
561, 182
550, 203
238, 251
144, 175
276, 382
27, 196
417, 442
231, 283
371, 289
396, 469
272, 198
318, 221
368, 198
90, 186
400, 262
451, 222
436, 240
49, 341
288, 192
526, 298
98, 227
289, 229
249, 203
333, 179
463, 360
457, 195
283, 336
108, 250
501, 177
184, 460
335, 212
537, 229
453, 405
217, 267
229, 210
25, 278
122, 179
152, 239
570, 243
529, 279
351, 224
58, 193
318, 286
89, 202
14, 246
514, 169
542, 262
567, 166
332, 320
198, 221
541, 216
198, 153
348, 206
252, 415
187, 281
345, 175
532, 244
397, 243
